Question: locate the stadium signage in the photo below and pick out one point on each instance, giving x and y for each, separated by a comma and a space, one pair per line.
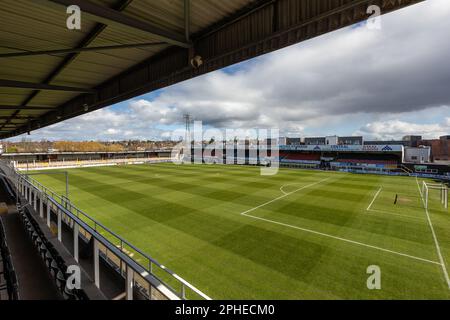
370, 148
339, 147
345, 148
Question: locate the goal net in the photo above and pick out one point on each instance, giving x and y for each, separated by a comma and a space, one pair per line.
433, 192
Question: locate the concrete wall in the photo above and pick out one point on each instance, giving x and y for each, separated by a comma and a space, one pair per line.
417, 155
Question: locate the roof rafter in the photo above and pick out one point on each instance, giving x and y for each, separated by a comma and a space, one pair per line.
112, 17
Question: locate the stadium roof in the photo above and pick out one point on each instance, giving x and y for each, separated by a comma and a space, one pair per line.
125, 48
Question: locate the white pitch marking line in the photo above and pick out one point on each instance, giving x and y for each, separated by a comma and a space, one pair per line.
396, 214
284, 195
374, 198
245, 213
438, 249
286, 185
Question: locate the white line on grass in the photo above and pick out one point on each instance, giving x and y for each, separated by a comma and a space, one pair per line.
245, 213
284, 195
376, 211
438, 249
374, 198
369, 208
286, 185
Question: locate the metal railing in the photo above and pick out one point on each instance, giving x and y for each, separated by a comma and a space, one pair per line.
168, 278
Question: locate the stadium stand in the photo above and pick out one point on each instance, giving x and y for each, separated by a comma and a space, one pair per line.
55, 264
8, 277
49, 225
302, 156
368, 157
369, 161
379, 160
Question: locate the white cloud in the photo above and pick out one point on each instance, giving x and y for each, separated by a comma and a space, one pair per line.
103, 124
393, 129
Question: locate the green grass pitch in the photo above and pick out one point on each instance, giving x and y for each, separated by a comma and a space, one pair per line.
299, 234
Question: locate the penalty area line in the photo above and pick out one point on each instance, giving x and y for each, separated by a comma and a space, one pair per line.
379, 212
284, 195
436, 243
342, 239
374, 198
246, 214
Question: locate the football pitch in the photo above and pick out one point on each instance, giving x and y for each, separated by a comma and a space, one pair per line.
299, 234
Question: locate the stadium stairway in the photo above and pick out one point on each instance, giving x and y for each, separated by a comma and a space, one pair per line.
405, 169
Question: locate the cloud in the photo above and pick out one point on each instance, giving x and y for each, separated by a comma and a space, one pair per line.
393, 71
336, 81
103, 124
393, 129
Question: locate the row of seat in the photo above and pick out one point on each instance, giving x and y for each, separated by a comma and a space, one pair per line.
9, 286
50, 256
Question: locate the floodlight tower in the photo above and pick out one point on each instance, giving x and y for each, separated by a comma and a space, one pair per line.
187, 134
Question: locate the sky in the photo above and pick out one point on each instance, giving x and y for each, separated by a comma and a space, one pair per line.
382, 84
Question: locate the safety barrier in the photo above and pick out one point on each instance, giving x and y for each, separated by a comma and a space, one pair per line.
141, 271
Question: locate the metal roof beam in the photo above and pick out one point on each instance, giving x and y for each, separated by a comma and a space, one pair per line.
40, 86
78, 50
112, 17
10, 107
187, 19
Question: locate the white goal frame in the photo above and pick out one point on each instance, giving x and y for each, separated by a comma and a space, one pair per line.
435, 186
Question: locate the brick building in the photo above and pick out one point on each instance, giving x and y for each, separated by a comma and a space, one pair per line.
440, 148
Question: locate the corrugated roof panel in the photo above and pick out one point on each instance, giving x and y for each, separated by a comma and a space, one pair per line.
12, 96
53, 98
205, 13
122, 36
34, 26
27, 68
166, 14
93, 68
23, 113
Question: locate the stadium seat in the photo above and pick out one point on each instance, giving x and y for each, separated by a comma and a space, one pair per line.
68, 294
34, 236
43, 250
8, 277
48, 259
54, 268
60, 281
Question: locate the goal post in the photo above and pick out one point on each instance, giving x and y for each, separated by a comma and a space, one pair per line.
440, 187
